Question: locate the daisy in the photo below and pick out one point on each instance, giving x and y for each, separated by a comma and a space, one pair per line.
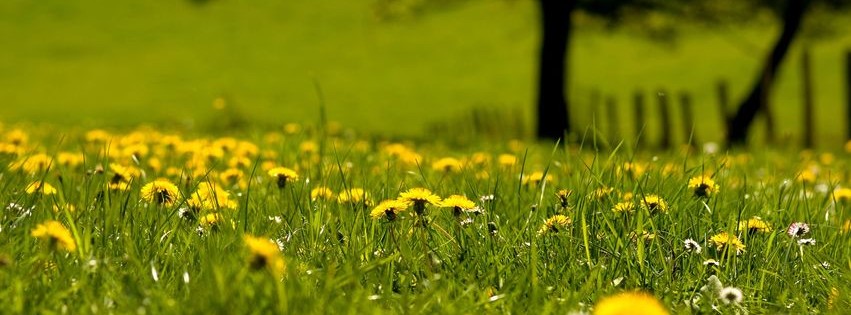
798, 229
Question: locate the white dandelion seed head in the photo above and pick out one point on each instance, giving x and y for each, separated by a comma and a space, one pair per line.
798, 229
711, 263
692, 247
731, 295
713, 286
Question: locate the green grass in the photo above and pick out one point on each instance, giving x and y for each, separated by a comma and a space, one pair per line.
137, 256
100, 63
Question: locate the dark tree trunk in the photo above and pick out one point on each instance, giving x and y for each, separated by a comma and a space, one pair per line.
552, 115
737, 130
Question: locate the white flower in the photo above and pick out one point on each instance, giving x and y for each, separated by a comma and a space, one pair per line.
486, 198
806, 242
711, 263
692, 247
798, 229
730, 295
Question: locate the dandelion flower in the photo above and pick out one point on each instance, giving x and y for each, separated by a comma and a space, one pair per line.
555, 224
692, 247
264, 254
600, 193
283, 175
56, 235
323, 192
41, 188
211, 220
842, 195
703, 186
730, 295
724, 240
447, 165
624, 207
123, 174
420, 197
798, 229
654, 203
389, 209
633, 303
458, 203
209, 196
507, 160
536, 178
754, 225
846, 227
161, 192
354, 196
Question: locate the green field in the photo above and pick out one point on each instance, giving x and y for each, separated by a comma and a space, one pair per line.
153, 221
175, 158
105, 63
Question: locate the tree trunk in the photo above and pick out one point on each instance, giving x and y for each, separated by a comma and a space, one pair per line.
552, 114
737, 130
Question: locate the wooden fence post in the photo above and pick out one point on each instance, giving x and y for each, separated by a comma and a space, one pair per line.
807, 87
665, 119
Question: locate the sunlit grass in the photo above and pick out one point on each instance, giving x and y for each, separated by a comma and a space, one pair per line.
285, 221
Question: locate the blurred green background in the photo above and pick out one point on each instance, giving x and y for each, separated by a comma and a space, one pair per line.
117, 63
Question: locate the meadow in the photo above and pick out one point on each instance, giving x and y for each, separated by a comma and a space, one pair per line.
318, 220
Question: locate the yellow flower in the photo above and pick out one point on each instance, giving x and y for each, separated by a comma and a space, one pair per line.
629, 303
754, 225
161, 192
507, 160
233, 178
447, 165
321, 193
70, 160
264, 254
654, 203
211, 220
633, 170
123, 173
355, 196
41, 188
458, 203
536, 178
308, 147
600, 193
420, 197
209, 196
119, 186
388, 209
56, 235
842, 195
724, 240
555, 224
846, 227
703, 186
33, 164
237, 162
283, 175
624, 207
